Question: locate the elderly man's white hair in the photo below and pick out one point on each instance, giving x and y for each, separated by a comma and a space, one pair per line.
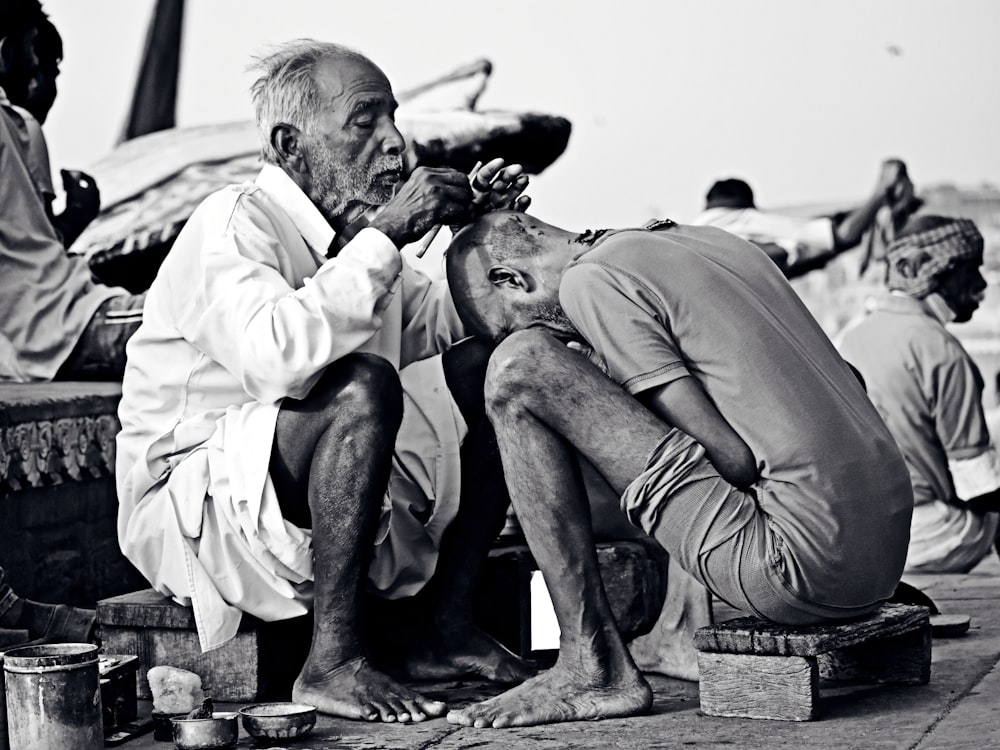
286, 90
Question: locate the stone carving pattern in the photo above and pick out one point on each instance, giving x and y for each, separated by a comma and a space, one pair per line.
50, 452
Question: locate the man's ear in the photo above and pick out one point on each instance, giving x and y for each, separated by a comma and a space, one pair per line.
287, 142
505, 276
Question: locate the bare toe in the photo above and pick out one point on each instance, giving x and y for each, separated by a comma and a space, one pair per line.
354, 690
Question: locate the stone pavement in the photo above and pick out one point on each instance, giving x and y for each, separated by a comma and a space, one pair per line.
958, 709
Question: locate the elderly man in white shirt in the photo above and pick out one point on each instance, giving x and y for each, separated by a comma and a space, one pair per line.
288, 436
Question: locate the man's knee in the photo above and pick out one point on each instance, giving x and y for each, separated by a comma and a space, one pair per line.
517, 370
364, 387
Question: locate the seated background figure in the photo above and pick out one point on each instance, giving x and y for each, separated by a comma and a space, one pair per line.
712, 401
55, 321
930, 392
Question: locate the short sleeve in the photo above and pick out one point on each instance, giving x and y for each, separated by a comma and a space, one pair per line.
957, 408
625, 323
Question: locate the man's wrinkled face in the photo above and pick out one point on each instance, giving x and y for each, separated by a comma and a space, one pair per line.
354, 150
963, 287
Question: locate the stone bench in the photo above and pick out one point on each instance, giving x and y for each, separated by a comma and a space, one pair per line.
58, 507
754, 669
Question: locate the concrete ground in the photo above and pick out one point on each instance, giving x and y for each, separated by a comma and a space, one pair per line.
959, 708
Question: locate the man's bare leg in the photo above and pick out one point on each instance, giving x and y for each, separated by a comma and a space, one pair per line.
451, 645
668, 648
544, 400
330, 467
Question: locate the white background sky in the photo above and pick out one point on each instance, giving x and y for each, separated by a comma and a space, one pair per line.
801, 99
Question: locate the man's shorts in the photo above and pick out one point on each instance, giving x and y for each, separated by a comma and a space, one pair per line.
100, 352
425, 484
719, 534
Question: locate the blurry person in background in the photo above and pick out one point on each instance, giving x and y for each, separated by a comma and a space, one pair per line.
56, 322
929, 391
800, 244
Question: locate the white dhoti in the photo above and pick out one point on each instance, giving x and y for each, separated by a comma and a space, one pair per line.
211, 533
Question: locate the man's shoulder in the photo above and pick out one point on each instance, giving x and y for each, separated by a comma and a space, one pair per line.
237, 197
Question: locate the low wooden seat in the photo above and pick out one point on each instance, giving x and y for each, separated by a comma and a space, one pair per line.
753, 669
259, 663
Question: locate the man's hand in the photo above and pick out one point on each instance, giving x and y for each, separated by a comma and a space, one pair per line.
497, 185
83, 203
83, 199
891, 179
432, 196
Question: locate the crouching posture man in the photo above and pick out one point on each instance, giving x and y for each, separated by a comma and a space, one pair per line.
283, 379
712, 401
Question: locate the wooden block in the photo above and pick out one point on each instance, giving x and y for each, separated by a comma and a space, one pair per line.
902, 660
747, 664
634, 573
750, 635
230, 673
260, 662
758, 687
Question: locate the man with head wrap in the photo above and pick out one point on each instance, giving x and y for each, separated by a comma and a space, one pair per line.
929, 391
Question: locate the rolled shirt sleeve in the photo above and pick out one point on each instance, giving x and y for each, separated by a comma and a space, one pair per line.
960, 424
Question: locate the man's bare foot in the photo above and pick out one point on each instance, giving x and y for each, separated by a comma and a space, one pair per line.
556, 696
668, 648
354, 690
670, 653
448, 657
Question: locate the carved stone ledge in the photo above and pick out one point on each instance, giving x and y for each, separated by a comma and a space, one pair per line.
54, 433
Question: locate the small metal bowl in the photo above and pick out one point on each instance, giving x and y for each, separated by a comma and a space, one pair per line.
278, 721
221, 731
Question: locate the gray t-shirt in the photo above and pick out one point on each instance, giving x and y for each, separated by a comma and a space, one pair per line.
698, 302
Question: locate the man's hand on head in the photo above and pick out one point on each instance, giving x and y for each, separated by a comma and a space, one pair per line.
892, 175
432, 196
497, 185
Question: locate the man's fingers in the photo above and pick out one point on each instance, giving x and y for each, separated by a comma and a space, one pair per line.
485, 175
504, 192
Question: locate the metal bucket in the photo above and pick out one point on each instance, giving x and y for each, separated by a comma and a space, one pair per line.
4, 745
54, 697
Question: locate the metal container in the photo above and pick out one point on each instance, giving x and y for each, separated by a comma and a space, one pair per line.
54, 697
278, 721
4, 745
220, 732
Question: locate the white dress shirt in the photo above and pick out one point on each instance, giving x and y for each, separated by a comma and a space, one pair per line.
802, 238
245, 311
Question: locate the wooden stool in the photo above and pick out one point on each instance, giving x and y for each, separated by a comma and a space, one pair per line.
260, 662
753, 669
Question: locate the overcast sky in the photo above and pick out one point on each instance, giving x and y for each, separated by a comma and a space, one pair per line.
801, 99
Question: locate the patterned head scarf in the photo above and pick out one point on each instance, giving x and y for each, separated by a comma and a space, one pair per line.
916, 260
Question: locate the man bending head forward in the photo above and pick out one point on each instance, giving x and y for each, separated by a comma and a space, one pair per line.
719, 411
